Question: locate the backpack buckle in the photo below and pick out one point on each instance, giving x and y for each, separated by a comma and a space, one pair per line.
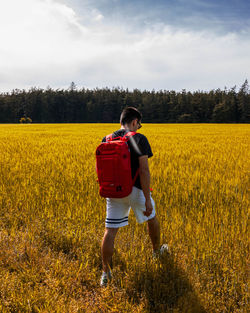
118, 188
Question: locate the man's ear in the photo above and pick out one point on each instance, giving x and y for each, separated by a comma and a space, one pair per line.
134, 122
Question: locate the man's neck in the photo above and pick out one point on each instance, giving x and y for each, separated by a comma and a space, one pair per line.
125, 127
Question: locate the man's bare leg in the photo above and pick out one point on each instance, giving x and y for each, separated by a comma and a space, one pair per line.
108, 247
154, 233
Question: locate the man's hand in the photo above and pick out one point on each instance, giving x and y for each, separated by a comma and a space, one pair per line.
149, 208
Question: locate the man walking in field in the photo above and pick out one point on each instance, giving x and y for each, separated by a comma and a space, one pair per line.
139, 199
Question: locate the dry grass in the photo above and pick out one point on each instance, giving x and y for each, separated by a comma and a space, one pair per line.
52, 222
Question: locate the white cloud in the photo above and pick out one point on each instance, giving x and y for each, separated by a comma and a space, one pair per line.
98, 17
37, 35
44, 43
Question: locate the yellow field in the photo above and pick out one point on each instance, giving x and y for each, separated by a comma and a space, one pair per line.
52, 222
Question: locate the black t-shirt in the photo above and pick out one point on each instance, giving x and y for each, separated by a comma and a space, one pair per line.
139, 146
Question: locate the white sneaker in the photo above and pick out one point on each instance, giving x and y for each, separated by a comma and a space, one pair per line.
163, 250
105, 278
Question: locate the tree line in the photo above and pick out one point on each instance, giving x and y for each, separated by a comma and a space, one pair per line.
74, 105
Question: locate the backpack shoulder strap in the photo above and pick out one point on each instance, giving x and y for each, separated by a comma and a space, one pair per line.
128, 135
109, 138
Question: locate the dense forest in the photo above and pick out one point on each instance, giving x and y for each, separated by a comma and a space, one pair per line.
75, 105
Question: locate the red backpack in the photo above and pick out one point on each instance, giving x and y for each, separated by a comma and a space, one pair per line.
113, 167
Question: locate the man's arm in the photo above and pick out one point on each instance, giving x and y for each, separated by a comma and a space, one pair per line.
145, 182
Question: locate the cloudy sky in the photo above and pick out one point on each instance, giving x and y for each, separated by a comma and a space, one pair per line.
144, 44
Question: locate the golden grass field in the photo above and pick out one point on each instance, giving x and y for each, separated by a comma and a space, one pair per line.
52, 222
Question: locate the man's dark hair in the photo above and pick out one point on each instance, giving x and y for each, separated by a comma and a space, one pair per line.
129, 114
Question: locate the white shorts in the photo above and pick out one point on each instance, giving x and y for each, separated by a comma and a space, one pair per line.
118, 209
